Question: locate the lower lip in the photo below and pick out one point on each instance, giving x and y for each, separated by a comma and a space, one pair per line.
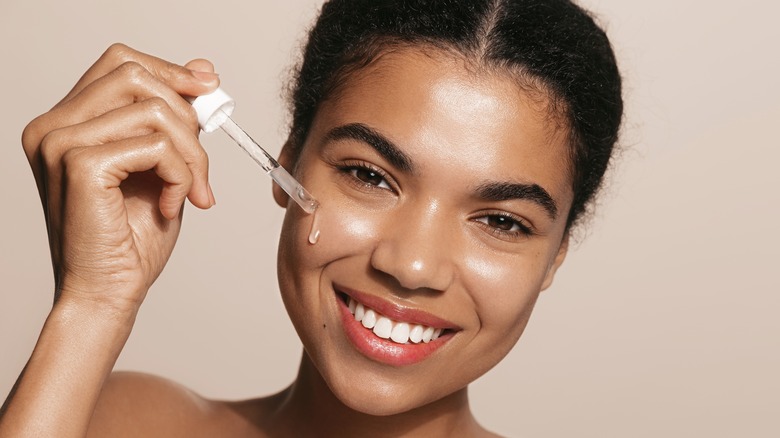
383, 350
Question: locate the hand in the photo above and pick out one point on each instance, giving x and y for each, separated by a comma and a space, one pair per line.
114, 161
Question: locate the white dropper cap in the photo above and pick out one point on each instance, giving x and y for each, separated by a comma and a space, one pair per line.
214, 112
213, 109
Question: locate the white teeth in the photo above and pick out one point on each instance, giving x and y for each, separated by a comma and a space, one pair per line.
369, 319
427, 334
386, 328
383, 327
416, 334
359, 312
400, 333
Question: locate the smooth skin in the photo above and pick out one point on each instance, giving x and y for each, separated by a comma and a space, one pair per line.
115, 160
421, 236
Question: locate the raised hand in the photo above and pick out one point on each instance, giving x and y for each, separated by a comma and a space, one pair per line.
114, 161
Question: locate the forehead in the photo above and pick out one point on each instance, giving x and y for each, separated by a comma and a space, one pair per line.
440, 108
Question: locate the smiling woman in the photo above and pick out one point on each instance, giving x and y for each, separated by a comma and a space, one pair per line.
452, 147
442, 242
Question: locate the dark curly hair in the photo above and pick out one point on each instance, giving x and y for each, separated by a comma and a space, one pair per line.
551, 45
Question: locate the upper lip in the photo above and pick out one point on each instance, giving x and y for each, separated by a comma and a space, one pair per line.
395, 311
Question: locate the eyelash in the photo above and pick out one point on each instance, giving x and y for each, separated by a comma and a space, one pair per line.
350, 170
519, 227
522, 229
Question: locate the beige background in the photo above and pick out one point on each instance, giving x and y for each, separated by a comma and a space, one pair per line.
663, 322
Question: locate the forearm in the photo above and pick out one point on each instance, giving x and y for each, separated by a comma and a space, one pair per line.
75, 353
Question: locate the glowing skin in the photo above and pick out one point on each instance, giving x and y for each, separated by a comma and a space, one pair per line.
422, 238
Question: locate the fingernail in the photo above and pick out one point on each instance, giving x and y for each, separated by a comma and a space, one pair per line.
205, 76
211, 196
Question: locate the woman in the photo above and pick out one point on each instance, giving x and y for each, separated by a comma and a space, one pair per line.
452, 147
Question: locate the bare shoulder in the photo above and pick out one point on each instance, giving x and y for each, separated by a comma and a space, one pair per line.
136, 404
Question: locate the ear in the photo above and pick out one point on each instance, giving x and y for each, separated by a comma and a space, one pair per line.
286, 160
557, 262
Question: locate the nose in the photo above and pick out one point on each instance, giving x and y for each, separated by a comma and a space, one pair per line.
416, 249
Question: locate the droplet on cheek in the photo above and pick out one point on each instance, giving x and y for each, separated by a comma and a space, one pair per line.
343, 225
314, 233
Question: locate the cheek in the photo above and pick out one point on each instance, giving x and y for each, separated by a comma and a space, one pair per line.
343, 231
504, 290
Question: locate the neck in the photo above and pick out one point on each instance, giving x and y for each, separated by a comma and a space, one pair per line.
309, 408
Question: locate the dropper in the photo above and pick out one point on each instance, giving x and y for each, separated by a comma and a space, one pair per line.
214, 112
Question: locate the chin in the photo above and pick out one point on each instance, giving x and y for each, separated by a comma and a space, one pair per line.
378, 395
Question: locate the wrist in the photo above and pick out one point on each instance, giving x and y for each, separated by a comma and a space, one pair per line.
94, 309
76, 351
117, 301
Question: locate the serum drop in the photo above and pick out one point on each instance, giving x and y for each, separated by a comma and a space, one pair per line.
314, 233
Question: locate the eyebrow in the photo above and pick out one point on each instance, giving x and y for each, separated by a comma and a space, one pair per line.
499, 191
492, 191
358, 131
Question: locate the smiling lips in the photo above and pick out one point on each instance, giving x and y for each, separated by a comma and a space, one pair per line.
386, 328
388, 334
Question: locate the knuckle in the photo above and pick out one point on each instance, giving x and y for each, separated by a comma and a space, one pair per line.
163, 146
171, 72
119, 52
51, 147
191, 118
76, 161
160, 142
201, 157
134, 71
158, 108
31, 134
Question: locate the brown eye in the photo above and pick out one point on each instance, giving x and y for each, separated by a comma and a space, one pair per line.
369, 176
501, 222
505, 225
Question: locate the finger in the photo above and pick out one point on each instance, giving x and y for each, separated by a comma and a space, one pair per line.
180, 79
96, 173
201, 65
105, 93
142, 118
125, 85
129, 83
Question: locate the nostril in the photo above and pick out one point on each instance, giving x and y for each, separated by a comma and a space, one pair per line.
413, 264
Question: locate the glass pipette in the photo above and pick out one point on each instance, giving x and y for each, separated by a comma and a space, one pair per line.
270, 165
214, 111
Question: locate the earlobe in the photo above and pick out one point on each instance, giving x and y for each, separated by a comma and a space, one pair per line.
557, 262
286, 160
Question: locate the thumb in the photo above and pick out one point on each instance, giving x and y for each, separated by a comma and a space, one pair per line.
200, 65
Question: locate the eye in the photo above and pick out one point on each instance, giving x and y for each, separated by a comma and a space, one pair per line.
367, 175
505, 225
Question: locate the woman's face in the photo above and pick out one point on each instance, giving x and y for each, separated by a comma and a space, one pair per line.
444, 193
